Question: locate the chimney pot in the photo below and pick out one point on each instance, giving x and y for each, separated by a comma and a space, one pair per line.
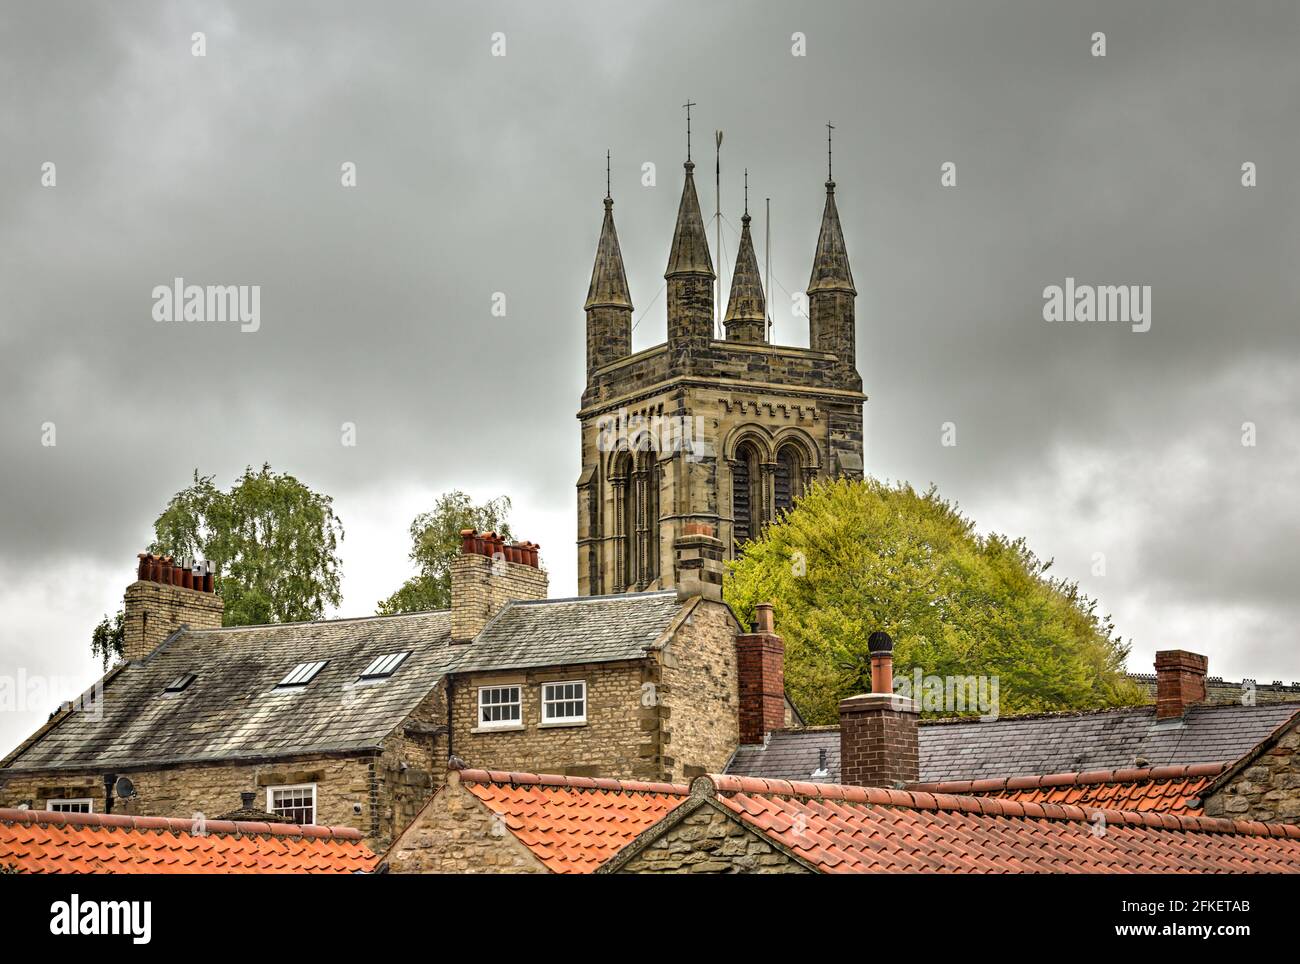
881, 648
763, 622
246, 799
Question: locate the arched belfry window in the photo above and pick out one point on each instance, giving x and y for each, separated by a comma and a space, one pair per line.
635, 480
787, 482
624, 521
646, 485
746, 497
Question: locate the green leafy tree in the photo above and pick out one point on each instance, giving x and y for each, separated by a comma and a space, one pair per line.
854, 557
106, 642
273, 541
435, 541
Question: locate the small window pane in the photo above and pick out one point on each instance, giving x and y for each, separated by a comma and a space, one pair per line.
68, 806
564, 702
499, 705
296, 803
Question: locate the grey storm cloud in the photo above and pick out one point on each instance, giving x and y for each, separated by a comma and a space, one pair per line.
480, 174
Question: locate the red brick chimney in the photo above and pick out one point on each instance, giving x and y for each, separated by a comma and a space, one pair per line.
760, 671
1180, 682
168, 593
488, 573
878, 734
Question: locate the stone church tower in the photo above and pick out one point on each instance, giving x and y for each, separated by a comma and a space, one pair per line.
701, 434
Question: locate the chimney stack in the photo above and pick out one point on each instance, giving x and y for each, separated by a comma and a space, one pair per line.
168, 593
488, 573
1180, 682
760, 673
878, 730
698, 556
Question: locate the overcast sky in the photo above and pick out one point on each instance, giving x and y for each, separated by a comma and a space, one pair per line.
479, 174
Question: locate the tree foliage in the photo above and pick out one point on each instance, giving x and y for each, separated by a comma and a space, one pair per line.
273, 542
435, 541
853, 557
108, 638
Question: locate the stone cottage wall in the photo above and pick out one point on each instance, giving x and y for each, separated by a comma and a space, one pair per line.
709, 842
1267, 790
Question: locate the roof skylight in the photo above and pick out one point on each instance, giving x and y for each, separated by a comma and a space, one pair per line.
179, 683
302, 674
382, 666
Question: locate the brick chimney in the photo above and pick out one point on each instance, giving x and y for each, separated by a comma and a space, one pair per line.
698, 555
1180, 682
488, 573
878, 734
167, 594
760, 671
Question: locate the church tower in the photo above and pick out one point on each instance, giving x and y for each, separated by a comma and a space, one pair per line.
701, 431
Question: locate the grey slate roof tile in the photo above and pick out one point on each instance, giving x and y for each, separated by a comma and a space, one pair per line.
1024, 746
587, 629
232, 709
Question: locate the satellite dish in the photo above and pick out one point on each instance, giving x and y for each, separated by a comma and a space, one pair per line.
124, 788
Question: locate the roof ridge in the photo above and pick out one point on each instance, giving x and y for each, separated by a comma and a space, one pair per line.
725, 785
1043, 715
316, 622
50, 818
1072, 779
603, 598
519, 779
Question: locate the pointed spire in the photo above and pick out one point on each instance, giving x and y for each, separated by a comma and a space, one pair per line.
746, 304
690, 251
831, 264
608, 280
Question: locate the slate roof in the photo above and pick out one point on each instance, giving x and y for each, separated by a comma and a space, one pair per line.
232, 710
584, 629
38, 841
1219, 690
1042, 744
838, 829
1177, 789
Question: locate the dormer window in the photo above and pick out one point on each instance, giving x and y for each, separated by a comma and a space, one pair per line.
382, 667
179, 683
301, 675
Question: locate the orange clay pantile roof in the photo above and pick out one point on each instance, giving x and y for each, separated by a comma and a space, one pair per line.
573, 824
1174, 789
38, 841
841, 829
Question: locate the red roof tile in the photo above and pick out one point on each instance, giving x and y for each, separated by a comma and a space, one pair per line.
38, 841
840, 829
1171, 789
573, 824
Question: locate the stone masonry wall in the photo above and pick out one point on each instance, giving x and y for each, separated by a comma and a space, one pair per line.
700, 693
710, 842
411, 768
154, 611
612, 743
481, 586
342, 784
457, 834
1268, 790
